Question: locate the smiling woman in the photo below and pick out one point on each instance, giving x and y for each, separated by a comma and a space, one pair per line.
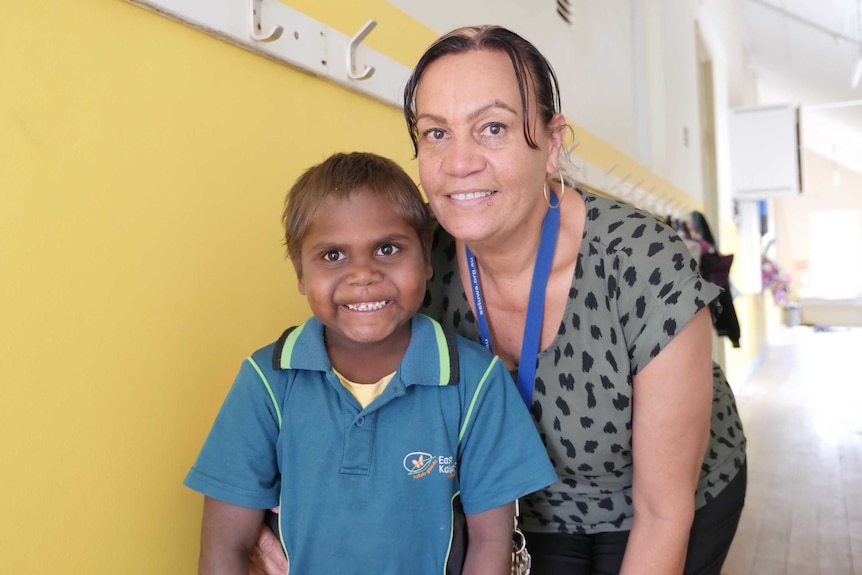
623, 384
471, 147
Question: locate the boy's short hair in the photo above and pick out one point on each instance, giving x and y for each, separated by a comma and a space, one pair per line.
339, 176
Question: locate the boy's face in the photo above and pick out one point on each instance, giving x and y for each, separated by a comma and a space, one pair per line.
363, 269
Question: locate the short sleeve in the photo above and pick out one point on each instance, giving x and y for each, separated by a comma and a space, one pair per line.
661, 290
237, 463
502, 457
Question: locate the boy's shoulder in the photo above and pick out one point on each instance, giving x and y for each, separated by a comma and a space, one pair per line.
431, 344
299, 344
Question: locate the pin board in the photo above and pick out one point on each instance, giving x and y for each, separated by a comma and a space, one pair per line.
285, 35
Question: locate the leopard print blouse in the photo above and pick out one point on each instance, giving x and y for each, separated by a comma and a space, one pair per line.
635, 285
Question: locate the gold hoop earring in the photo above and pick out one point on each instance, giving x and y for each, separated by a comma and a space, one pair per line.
562, 193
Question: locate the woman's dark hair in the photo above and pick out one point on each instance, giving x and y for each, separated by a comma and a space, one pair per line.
341, 175
534, 74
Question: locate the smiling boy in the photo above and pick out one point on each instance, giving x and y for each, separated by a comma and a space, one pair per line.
369, 425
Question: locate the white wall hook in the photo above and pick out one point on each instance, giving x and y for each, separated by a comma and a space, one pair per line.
351, 53
256, 32
618, 186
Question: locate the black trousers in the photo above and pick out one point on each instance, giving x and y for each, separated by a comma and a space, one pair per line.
712, 532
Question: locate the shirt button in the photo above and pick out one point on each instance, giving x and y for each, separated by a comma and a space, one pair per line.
360, 421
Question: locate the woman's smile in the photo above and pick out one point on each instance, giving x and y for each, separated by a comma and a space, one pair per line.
466, 196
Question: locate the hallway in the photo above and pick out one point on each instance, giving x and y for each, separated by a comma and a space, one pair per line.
802, 412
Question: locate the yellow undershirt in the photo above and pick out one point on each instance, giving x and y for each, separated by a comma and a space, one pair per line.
365, 393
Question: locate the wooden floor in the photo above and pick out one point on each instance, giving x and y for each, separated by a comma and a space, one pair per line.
802, 412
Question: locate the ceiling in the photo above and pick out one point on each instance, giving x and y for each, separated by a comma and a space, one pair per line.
806, 52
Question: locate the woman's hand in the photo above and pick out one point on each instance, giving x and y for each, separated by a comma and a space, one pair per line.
268, 556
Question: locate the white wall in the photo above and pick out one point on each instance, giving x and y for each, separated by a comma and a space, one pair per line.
720, 28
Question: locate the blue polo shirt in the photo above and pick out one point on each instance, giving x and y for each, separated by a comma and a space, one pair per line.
371, 490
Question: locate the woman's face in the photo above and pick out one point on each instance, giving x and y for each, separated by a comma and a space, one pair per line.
480, 176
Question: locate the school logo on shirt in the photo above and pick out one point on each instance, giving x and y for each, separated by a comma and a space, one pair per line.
420, 464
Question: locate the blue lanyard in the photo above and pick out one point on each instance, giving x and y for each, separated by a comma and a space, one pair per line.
535, 306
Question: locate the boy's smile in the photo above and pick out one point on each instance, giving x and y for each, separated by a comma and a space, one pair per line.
363, 272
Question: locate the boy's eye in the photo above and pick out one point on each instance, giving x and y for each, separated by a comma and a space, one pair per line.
388, 250
332, 256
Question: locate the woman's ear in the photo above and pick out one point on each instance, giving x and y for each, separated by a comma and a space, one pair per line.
556, 135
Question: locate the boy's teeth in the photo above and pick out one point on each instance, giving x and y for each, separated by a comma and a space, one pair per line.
366, 306
470, 195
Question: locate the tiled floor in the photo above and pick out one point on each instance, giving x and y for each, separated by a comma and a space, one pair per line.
802, 412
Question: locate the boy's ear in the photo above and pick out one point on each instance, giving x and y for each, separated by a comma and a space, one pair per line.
297, 267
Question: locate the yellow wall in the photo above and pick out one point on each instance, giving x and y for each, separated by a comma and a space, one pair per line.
142, 171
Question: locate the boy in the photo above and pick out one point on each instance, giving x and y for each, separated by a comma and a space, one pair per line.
368, 425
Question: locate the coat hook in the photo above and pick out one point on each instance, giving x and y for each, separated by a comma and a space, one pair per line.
256, 31
351, 53
619, 184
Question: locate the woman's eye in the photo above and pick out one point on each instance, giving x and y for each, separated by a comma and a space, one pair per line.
495, 128
388, 250
434, 134
332, 256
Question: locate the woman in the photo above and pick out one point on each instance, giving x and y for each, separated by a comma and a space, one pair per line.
618, 330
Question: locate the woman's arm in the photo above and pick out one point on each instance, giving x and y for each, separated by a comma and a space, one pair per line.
489, 547
228, 536
268, 557
672, 403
